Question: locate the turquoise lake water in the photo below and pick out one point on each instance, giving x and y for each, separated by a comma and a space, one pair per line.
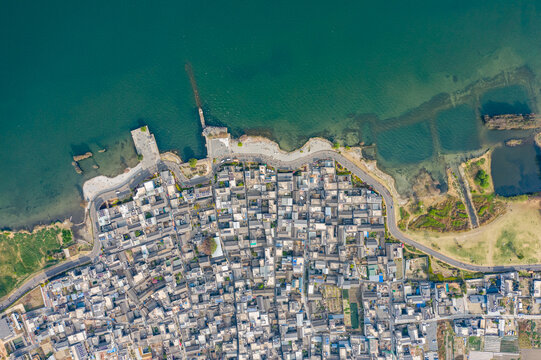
78, 76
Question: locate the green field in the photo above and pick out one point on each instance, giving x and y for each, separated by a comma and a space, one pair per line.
449, 215
509, 345
474, 343
488, 207
354, 316
22, 254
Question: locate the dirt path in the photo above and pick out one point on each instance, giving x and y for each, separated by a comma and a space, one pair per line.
472, 213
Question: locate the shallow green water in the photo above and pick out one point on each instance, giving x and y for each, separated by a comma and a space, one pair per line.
458, 129
406, 144
78, 75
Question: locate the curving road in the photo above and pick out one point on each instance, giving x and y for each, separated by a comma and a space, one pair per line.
294, 164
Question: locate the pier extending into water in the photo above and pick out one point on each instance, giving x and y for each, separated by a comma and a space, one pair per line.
189, 71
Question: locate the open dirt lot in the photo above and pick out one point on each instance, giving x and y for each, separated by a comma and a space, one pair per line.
33, 300
416, 268
513, 238
528, 334
333, 299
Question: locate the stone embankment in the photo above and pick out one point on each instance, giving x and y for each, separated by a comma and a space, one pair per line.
78, 169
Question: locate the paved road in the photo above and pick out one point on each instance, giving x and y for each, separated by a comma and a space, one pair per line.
470, 316
295, 164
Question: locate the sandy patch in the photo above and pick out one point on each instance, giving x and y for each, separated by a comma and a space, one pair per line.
513, 238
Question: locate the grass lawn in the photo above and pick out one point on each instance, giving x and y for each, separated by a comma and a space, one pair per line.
474, 343
23, 253
440, 271
347, 311
513, 238
354, 315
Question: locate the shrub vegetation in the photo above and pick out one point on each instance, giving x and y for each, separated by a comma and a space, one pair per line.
482, 179
22, 254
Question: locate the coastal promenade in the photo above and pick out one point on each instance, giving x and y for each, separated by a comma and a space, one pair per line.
100, 189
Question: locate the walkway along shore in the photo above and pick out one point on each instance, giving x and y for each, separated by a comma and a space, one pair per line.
100, 189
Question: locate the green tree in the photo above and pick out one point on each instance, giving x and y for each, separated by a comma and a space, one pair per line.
192, 162
482, 179
208, 246
67, 237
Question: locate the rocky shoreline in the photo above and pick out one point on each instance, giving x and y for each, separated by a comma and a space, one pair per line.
538, 139
512, 121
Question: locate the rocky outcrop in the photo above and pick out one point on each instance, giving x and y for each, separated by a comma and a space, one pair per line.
77, 158
82, 157
77, 167
512, 121
514, 142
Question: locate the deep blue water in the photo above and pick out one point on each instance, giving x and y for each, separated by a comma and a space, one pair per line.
517, 170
